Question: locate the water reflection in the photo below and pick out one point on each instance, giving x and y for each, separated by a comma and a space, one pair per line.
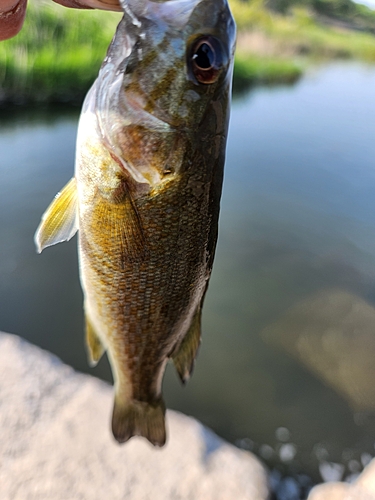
14, 117
332, 333
285, 365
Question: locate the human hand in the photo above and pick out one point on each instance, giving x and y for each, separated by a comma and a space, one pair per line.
12, 12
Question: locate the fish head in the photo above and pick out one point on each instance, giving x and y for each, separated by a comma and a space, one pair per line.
169, 63
181, 55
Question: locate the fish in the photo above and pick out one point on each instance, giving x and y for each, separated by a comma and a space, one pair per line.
145, 197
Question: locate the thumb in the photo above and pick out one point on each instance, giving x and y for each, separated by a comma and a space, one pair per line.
12, 15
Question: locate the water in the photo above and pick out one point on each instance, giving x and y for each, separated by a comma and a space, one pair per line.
286, 364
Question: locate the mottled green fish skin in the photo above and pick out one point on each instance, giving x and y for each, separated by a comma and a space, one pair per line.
149, 168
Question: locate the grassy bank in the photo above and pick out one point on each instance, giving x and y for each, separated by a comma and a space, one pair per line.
58, 53
252, 69
274, 47
56, 56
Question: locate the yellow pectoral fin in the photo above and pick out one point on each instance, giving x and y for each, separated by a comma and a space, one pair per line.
120, 225
59, 222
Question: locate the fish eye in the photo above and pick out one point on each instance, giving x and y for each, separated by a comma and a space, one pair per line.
206, 59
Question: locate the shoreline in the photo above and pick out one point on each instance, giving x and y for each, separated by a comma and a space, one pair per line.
57, 55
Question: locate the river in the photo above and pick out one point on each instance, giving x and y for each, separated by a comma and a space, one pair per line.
286, 365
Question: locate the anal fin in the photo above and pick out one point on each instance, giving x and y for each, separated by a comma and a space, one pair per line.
59, 221
139, 418
95, 349
184, 358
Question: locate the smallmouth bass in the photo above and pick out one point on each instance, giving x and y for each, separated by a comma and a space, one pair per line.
146, 195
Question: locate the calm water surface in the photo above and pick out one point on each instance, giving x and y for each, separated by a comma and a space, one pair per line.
286, 364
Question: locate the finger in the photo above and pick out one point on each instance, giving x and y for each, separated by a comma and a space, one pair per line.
91, 4
105, 4
12, 15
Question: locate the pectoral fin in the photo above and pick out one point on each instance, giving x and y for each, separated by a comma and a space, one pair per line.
185, 356
94, 345
119, 223
59, 221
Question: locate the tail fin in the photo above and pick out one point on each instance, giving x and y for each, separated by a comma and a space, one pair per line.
138, 418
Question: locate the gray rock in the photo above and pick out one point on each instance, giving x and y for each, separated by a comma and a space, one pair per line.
56, 444
361, 489
367, 479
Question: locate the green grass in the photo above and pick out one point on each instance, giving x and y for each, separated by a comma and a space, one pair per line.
277, 48
252, 70
57, 54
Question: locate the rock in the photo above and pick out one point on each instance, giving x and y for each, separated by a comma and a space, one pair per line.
338, 491
55, 442
361, 489
367, 479
331, 491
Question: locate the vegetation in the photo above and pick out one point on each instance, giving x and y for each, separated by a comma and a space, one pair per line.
253, 69
56, 56
279, 46
352, 14
58, 53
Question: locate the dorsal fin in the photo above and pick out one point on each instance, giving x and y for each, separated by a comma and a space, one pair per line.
59, 222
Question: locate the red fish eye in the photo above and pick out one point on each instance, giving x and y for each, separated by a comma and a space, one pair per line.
206, 59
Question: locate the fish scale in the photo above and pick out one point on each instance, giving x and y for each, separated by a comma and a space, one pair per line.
146, 195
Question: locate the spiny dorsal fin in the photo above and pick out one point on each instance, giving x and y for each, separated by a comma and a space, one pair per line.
185, 356
139, 418
95, 349
59, 221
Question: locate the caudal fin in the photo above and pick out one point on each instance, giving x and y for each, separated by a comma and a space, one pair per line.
138, 418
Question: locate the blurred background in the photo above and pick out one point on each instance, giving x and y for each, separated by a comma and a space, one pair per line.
286, 368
